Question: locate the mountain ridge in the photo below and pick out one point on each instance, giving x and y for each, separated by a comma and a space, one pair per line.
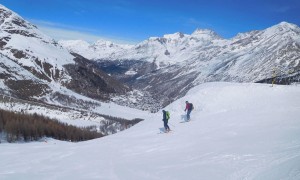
177, 38
183, 61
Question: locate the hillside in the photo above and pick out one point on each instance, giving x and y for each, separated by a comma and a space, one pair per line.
35, 67
238, 131
37, 75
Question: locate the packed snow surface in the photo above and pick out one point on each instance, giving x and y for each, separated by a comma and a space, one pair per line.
237, 131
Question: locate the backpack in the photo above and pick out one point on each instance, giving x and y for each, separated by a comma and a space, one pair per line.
191, 107
167, 115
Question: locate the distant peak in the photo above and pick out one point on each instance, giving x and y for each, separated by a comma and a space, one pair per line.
73, 42
285, 25
205, 33
102, 42
109, 44
174, 36
282, 28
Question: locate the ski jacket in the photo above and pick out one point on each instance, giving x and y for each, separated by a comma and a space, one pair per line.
187, 106
164, 116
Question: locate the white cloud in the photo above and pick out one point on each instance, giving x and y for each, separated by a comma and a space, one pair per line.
64, 32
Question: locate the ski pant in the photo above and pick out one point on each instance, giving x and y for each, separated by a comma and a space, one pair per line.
166, 124
188, 114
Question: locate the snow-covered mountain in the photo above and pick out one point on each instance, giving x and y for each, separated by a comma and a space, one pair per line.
168, 66
101, 49
179, 47
37, 75
161, 50
279, 43
34, 66
163, 68
25, 44
238, 131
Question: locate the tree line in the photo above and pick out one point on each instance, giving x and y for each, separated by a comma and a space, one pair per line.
26, 127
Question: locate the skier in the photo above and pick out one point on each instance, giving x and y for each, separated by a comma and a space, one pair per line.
166, 117
188, 107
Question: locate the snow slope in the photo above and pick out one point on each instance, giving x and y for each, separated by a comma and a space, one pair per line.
238, 131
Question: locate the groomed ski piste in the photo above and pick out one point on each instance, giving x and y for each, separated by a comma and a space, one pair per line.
238, 131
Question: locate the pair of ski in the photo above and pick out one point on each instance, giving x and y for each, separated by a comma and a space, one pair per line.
185, 121
165, 132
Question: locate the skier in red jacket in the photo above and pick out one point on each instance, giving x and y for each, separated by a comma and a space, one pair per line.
188, 108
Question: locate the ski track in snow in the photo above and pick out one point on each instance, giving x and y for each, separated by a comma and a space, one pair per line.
238, 131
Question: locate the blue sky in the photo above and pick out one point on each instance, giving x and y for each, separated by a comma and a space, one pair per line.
132, 21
